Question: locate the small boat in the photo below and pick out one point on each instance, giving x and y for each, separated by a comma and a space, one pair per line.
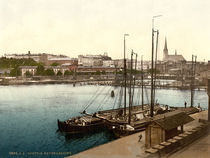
112, 93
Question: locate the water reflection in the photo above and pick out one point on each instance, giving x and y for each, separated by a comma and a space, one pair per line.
29, 114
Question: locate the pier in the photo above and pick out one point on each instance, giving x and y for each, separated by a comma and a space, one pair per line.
132, 147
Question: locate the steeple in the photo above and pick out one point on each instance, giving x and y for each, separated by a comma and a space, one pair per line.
165, 47
165, 51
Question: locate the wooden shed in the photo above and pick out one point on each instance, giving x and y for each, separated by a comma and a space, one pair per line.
165, 126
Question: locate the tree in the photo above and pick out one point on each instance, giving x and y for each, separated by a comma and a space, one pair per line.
103, 72
59, 73
40, 70
54, 64
98, 72
15, 72
150, 71
13, 63
49, 72
28, 74
67, 73
119, 72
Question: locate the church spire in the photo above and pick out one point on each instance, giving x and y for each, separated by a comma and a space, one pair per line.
165, 47
165, 51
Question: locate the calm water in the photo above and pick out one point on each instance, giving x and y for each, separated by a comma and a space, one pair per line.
28, 116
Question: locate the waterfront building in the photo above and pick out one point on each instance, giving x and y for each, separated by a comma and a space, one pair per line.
30, 69
35, 57
62, 61
38, 57
92, 60
56, 69
108, 63
93, 69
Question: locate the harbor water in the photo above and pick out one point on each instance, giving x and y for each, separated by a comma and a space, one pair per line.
28, 115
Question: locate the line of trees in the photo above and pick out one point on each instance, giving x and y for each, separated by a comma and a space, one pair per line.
6, 63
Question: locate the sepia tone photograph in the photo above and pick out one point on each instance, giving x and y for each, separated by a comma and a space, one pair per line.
104, 79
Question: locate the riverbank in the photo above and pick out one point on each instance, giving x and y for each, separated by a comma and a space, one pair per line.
93, 81
131, 147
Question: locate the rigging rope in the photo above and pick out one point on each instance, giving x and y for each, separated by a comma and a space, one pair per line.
116, 98
138, 94
96, 96
105, 102
92, 96
146, 93
102, 101
120, 97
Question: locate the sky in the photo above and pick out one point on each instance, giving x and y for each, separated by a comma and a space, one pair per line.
73, 27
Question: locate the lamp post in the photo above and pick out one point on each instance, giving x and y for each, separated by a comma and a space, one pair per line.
125, 75
152, 100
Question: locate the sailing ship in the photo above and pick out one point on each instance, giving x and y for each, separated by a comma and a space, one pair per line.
136, 121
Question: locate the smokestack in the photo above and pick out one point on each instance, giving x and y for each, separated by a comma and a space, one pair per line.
209, 99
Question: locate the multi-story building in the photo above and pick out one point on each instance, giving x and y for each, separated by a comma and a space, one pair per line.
62, 61
35, 57
32, 69
92, 60
85, 69
108, 63
40, 57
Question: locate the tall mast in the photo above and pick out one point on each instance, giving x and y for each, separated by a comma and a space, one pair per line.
152, 103
134, 79
156, 63
142, 82
130, 99
192, 76
124, 78
152, 99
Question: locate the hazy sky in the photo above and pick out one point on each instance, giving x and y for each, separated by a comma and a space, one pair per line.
74, 27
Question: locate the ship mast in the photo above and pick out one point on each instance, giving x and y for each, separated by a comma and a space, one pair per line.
152, 69
156, 63
152, 103
130, 95
125, 78
142, 82
193, 79
134, 79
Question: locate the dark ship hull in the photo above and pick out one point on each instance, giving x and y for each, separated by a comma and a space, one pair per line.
73, 128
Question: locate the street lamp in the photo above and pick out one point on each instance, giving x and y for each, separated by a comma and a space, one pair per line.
124, 43
153, 19
125, 77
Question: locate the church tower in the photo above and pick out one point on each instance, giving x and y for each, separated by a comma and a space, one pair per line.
165, 51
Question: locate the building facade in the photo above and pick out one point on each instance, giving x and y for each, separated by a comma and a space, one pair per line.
171, 58
92, 60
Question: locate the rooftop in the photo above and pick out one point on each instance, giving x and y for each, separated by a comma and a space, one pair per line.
172, 120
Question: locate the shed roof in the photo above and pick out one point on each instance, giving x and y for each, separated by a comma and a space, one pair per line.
172, 120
